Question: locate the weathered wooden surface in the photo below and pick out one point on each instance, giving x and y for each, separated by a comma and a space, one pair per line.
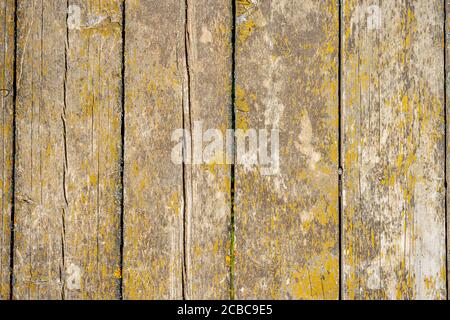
38, 251
92, 127
153, 184
287, 79
177, 233
6, 143
447, 117
176, 217
207, 221
393, 150
67, 218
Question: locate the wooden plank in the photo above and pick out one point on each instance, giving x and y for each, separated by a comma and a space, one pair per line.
153, 185
177, 216
93, 120
209, 25
38, 258
393, 150
7, 12
68, 150
447, 93
287, 78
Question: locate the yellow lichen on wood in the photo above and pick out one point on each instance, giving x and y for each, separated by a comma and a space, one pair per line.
67, 240
153, 185
7, 11
392, 112
207, 218
93, 142
287, 223
445, 44
39, 267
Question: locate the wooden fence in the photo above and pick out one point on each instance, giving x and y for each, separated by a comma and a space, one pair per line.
94, 207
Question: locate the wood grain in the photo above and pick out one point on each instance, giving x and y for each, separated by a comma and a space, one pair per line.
68, 151
38, 251
393, 150
209, 25
287, 79
447, 117
153, 185
92, 119
177, 233
177, 216
7, 11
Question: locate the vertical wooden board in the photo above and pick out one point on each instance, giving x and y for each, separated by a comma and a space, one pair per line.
91, 119
153, 184
393, 150
39, 199
7, 12
286, 230
447, 93
208, 184
447, 143
67, 219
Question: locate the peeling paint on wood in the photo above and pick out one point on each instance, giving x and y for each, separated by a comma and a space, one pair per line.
208, 185
393, 150
177, 233
176, 219
287, 78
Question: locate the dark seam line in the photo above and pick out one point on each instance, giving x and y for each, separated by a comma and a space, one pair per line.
13, 178
65, 164
188, 79
183, 173
122, 155
233, 167
445, 151
340, 168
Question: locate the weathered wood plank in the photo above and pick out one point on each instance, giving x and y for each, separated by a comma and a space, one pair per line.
208, 184
7, 11
447, 86
67, 215
287, 78
177, 216
92, 118
393, 150
38, 259
153, 185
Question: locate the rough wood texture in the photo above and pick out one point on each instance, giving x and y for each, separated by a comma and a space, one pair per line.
68, 151
208, 185
447, 79
92, 127
393, 150
178, 237
287, 78
6, 140
38, 251
153, 185
176, 217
